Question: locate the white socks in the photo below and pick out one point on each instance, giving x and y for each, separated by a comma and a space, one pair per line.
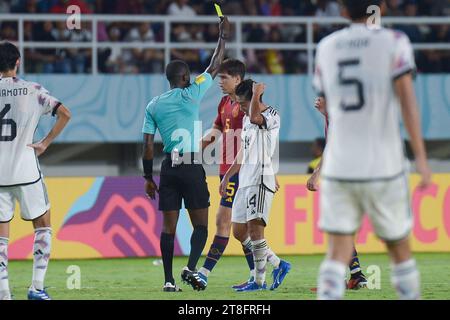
4, 284
41, 254
406, 280
331, 284
259, 248
271, 256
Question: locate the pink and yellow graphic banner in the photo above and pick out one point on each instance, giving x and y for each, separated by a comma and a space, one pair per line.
112, 217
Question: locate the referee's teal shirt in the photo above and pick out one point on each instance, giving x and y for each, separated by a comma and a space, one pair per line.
175, 113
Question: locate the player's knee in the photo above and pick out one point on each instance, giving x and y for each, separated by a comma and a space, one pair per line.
201, 230
399, 251
169, 228
239, 234
255, 234
42, 221
223, 227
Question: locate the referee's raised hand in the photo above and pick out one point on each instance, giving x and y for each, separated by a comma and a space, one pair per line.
151, 188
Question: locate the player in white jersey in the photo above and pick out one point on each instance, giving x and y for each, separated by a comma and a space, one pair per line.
257, 182
365, 74
22, 103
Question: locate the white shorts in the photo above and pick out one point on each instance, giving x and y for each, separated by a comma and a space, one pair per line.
343, 205
32, 198
251, 203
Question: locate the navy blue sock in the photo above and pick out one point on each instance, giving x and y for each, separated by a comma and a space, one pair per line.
198, 241
355, 267
215, 252
167, 244
249, 255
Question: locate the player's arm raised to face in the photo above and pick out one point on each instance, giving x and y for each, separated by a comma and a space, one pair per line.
62, 118
255, 110
405, 91
219, 52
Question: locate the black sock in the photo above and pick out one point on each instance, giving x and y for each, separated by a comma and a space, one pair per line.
167, 247
198, 242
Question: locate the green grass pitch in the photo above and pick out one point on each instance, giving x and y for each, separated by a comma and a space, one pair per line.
134, 279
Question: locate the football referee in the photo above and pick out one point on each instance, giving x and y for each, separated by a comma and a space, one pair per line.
182, 174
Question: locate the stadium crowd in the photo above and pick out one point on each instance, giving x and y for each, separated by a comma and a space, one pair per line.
116, 60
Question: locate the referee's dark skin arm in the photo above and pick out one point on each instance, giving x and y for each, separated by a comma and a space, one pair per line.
219, 53
150, 186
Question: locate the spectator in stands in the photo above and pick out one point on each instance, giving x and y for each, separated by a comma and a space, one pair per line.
327, 8
180, 33
109, 61
394, 8
411, 30
434, 8
8, 31
51, 60
143, 33
304, 8
80, 57
31, 6
62, 5
274, 58
181, 8
130, 7
5, 6
270, 7
148, 60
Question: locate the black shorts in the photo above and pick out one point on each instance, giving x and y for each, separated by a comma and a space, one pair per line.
184, 182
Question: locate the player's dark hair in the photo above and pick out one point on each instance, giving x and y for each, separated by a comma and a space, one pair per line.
233, 67
8, 56
245, 89
321, 142
357, 9
175, 71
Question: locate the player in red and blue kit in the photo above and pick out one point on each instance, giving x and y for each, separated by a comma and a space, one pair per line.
228, 124
357, 279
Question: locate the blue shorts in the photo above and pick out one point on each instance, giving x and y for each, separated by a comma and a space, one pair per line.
232, 188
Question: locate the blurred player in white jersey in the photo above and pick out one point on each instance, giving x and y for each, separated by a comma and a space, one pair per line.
22, 103
365, 74
257, 182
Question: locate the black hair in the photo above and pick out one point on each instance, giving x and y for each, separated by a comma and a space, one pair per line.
175, 71
245, 89
233, 67
8, 56
357, 9
321, 142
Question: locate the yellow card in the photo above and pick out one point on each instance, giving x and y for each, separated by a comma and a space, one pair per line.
218, 10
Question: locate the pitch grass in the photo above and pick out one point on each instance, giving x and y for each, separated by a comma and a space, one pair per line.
134, 279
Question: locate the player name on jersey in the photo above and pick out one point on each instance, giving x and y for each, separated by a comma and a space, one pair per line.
13, 92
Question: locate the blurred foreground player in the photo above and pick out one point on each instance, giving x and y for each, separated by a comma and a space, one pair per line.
357, 279
364, 72
22, 104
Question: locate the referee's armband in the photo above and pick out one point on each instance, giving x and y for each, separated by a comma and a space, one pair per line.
148, 168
